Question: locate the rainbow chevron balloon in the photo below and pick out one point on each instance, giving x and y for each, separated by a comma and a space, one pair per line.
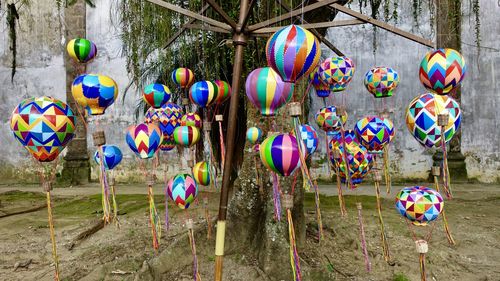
191, 119
442, 70
280, 154
186, 135
44, 126
328, 120
81, 50
112, 156
222, 91
337, 72
293, 52
182, 77
182, 189
168, 118
419, 204
201, 173
421, 118
266, 90
374, 132
202, 93
144, 139
254, 135
322, 89
156, 95
381, 81
94, 92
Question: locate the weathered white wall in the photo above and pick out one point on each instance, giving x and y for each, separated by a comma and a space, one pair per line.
41, 72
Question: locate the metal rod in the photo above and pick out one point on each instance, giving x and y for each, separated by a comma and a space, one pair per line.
206, 27
189, 13
183, 28
247, 15
222, 13
239, 39
326, 24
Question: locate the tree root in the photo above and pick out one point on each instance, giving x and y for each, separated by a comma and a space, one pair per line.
86, 234
34, 209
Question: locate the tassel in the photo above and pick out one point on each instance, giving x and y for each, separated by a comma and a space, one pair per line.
435, 173
385, 243
276, 197
318, 212
387, 175
343, 210
154, 219
363, 238
106, 208
442, 121
196, 274
294, 255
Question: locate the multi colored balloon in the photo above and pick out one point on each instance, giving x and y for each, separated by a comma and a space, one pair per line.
254, 135
202, 93
337, 72
222, 91
442, 70
182, 189
186, 135
156, 95
374, 132
168, 118
183, 77
201, 173
280, 154
293, 52
191, 119
358, 158
112, 156
44, 126
421, 118
144, 139
267, 91
309, 137
94, 92
419, 204
381, 81
322, 89
81, 50
328, 120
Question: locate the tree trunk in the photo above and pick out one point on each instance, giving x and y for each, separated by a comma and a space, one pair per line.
76, 168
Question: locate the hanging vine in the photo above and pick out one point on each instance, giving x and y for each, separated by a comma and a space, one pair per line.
12, 18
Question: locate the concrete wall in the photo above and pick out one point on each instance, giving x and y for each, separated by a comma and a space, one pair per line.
41, 72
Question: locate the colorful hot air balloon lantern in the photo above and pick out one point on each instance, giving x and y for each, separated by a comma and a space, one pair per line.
293, 52
156, 95
267, 91
254, 135
81, 50
203, 93
222, 91
112, 156
381, 81
310, 138
186, 136
183, 77
374, 133
328, 120
201, 173
442, 70
420, 205
44, 126
322, 90
94, 92
359, 161
168, 117
337, 72
191, 119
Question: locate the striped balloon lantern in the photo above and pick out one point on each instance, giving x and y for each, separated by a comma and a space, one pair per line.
328, 120
191, 119
381, 81
322, 89
81, 50
182, 189
222, 91
182, 77
144, 139
359, 161
267, 91
168, 118
254, 135
112, 156
280, 154
293, 52
94, 92
374, 132
422, 114
202, 93
186, 135
201, 173
44, 126
442, 70
156, 95
309, 137
337, 72
419, 204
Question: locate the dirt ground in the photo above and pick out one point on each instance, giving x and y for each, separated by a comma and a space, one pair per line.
114, 253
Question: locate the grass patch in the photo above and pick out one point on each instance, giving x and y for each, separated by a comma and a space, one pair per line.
400, 277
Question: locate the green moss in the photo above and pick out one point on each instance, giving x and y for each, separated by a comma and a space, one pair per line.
400, 277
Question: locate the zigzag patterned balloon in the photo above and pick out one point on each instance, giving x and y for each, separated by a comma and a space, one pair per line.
183, 77
94, 92
186, 135
202, 93
156, 95
322, 89
328, 120
168, 118
310, 138
201, 173
421, 118
293, 52
44, 126
182, 189
337, 72
112, 156
442, 70
144, 139
280, 154
419, 204
374, 132
358, 158
381, 81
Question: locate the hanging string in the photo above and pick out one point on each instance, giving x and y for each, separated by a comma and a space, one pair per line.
276, 197
363, 238
307, 182
318, 212
447, 231
387, 175
154, 219
222, 146
189, 225
115, 205
294, 255
446, 172
106, 208
385, 244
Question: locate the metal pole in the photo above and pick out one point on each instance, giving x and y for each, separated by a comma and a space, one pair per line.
239, 40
